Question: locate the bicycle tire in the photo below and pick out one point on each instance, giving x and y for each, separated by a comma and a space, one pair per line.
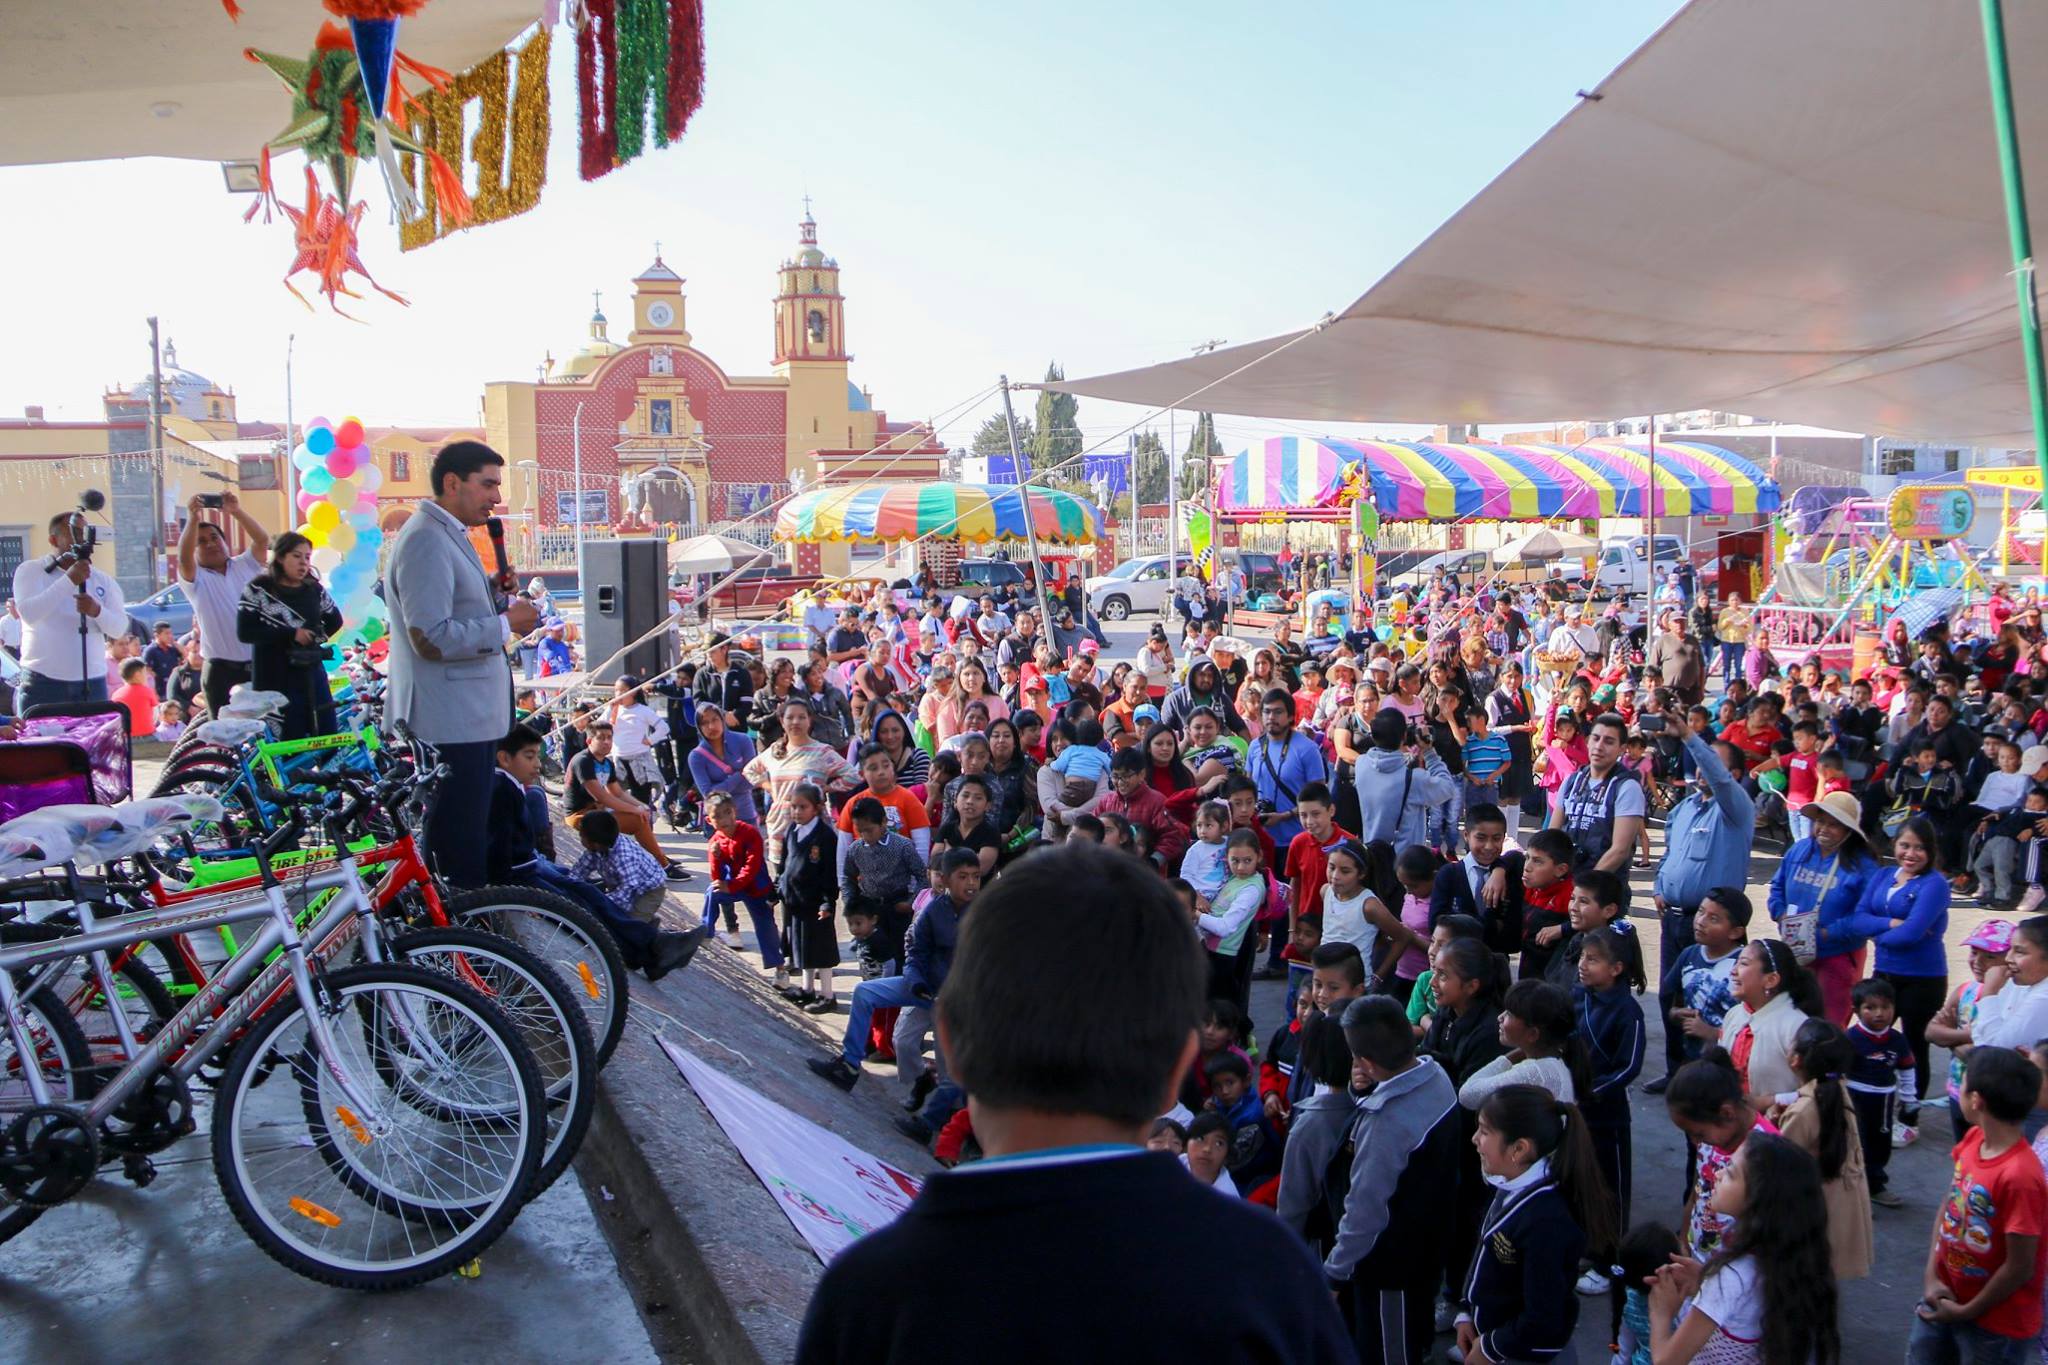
544, 1010
265, 1221
596, 975
74, 1082
198, 766
82, 991
241, 821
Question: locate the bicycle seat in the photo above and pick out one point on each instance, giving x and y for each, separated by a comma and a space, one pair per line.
232, 731
84, 831
248, 703
143, 822
32, 849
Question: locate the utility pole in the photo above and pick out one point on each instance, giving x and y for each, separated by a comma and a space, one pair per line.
156, 456
1172, 500
291, 438
576, 439
1024, 493
1650, 514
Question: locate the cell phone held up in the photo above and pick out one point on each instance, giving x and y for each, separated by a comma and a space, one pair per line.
212, 501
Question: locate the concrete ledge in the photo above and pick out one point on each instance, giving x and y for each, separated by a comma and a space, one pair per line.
719, 1273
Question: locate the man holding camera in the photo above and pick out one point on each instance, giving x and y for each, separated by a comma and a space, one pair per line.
212, 581
69, 610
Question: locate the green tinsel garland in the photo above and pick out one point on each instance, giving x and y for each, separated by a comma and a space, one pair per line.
643, 54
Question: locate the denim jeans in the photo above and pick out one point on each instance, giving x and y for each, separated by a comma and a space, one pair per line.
868, 997
763, 915
1964, 1343
635, 937
33, 689
1731, 661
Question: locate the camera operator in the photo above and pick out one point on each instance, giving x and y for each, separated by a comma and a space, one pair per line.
213, 582
57, 595
286, 616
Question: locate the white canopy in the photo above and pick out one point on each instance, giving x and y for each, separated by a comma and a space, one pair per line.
86, 79
1789, 208
714, 554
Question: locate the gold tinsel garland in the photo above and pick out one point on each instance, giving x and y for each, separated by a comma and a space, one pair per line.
507, 120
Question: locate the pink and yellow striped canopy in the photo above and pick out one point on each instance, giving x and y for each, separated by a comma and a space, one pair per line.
1414, 481
973, 512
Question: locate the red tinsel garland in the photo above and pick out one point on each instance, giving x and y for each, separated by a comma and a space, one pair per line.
685, 63
598, 38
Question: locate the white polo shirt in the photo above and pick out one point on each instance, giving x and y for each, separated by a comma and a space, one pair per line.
216, 595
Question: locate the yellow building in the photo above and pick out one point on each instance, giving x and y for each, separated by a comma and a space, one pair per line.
655, 433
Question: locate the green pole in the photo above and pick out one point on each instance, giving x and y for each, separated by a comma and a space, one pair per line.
2016, 223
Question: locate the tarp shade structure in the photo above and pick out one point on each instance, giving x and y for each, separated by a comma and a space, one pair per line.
1783, 207
974, 512
1413, 481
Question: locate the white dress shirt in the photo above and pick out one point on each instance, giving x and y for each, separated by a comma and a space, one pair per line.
46, 599
216, 597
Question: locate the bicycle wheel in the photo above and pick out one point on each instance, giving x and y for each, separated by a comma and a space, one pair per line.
541, 1006
65, 1060
240, 823
409, 1191
140, 992
564, 935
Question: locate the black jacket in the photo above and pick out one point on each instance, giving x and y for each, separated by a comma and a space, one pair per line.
810, 870
1452, 895
268, 619
731, 690
967, 1272
1520, 1284
1462, 1043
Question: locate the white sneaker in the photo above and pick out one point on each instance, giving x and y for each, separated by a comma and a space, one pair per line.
731, 939
1446, 1315
1595, 1282
1902, 1136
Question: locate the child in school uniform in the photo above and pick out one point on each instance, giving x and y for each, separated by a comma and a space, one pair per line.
1881, 1072
810, 892
1611, 1027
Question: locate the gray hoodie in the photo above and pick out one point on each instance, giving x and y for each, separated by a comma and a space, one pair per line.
1384, 813
1315, 1131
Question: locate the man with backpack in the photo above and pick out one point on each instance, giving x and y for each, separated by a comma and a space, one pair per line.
1401, 779
1602, 806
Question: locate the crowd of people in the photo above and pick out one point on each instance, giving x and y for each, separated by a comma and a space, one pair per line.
1425, 820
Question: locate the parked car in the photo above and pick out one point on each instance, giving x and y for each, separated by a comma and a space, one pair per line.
1135, 585
165, 604
990, 573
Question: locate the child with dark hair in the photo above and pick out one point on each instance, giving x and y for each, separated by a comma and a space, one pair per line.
1282, 1057
1774, 995
883, 874
1318, 1127
1550, 1206
1880, 1070
1539, 1028
1983, 1278
1646, 1249
1422, 998
1255, 1136
1699, 982
1599, 898
1822, 1121
1988, 943
739, 877
1546, 900
1767, 1294
1706, 1102
1225, 1027
1388, 1254
1416, 870
1610, 1024
810, 893
1088, 827
1226, 929
1207, 1151
1168, 1135
1463, 1037
1133, 796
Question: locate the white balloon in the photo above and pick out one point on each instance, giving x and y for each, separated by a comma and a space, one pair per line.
369, 478
326, 559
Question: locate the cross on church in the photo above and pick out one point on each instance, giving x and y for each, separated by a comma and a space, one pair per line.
657, 248
597, 301
807, 206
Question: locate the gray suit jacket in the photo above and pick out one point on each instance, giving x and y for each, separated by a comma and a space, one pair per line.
450, 679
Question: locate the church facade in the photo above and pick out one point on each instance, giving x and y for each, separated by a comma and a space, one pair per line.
653, 432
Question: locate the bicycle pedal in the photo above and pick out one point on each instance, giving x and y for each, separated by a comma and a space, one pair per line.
471, 1270
139, 1171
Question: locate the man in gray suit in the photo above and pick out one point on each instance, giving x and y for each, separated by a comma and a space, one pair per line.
451, 682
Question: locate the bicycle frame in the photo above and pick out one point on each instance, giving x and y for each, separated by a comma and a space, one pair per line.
242, 989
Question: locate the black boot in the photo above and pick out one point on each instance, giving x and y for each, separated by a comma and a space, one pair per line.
671, 951
835, 1071
920, 1091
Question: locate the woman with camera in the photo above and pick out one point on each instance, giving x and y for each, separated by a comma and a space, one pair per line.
285, 617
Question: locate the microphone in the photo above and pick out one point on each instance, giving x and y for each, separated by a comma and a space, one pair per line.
505, 581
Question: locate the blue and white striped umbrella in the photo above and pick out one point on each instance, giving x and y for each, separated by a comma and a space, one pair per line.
1927, 608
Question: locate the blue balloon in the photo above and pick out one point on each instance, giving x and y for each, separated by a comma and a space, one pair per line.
320, 440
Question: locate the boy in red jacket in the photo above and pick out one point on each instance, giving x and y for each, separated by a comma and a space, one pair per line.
1135, 800
739, 873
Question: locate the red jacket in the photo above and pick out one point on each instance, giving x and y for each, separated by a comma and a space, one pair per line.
739, 863
1148, 808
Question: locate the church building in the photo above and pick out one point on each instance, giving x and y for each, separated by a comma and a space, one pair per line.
667, 437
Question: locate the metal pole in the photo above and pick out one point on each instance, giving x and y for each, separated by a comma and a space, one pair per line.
291, 443
1650, 512
2016, 224
1172, 503
1024, 492
576, 438
156, 457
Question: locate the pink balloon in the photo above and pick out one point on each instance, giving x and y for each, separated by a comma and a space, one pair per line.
341, 462
306, 501
366, 502
317, 422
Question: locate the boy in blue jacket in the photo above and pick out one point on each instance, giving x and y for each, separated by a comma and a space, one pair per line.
927, 958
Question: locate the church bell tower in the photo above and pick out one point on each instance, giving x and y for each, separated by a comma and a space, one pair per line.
810, 312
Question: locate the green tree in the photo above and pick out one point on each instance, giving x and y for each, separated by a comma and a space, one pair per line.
1057, 431
1148, 473
993, 438
1202, 447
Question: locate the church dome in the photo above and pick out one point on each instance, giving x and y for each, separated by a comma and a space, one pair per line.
595, 352
184, 390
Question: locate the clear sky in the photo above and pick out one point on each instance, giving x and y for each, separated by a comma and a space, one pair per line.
1102, 184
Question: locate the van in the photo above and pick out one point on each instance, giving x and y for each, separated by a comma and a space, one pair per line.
1624, 563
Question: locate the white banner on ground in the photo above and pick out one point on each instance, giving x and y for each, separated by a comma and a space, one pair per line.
832, 1191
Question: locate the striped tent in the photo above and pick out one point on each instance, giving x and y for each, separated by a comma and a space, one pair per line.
973, 512
1415, 481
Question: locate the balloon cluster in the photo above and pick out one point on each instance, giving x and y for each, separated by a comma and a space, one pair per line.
338, 482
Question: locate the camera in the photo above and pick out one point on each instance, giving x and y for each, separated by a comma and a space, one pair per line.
212, 501
84, 535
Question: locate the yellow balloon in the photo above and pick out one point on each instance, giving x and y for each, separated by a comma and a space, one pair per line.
316, 534
342, 538
342, 493
324, 515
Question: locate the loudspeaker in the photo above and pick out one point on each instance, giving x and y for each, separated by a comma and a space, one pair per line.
625, 595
